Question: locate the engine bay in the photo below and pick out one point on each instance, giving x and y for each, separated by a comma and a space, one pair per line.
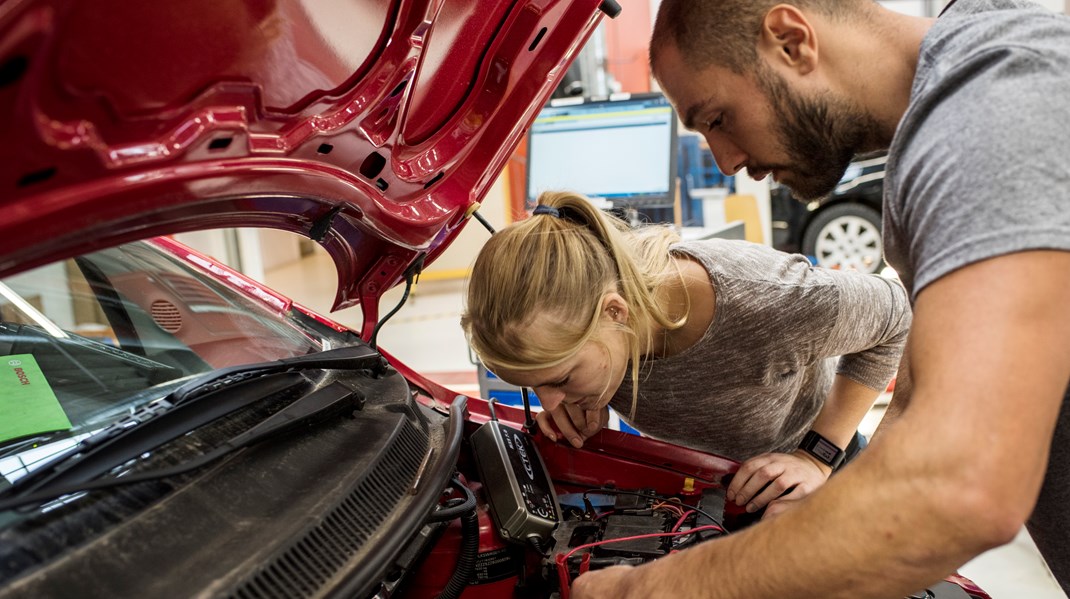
599, 528
606, 511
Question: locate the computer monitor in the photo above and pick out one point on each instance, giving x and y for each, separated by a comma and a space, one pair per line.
620, 152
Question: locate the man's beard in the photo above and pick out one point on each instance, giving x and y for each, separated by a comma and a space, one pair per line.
820, 136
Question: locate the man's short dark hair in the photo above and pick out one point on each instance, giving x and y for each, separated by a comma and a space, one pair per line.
725, 32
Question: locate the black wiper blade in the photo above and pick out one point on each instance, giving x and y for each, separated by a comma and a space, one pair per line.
336, 399
145, 429
352, 357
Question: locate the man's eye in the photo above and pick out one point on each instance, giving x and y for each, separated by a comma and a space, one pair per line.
716, 123
560, 383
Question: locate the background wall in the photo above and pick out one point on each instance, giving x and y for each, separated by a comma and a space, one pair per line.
627, 41
456, 261
1056, 5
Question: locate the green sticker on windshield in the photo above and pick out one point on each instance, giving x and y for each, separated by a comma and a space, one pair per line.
28, 406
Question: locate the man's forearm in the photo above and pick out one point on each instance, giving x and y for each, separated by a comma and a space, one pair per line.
958, 473
881, 528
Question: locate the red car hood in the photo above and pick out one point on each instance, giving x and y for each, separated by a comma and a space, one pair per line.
374, 126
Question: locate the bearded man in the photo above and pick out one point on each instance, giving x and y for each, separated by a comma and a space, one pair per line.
973, 108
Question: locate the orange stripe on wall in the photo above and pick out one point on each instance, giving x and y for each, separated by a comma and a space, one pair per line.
517, 183
627, 44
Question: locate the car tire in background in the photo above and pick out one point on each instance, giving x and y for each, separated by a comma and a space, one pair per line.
846, 236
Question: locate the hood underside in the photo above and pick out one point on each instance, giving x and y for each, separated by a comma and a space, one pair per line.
372, 126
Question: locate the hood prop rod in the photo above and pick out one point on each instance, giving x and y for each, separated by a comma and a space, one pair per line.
610, 8
411, 273
483, 221
529, 422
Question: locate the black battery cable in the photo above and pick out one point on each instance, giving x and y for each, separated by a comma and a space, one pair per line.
466, 562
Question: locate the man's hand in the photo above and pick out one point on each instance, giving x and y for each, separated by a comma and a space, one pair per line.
771, 476
607, 583
574, 423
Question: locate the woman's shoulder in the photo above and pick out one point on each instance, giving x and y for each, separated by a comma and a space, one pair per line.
745, 260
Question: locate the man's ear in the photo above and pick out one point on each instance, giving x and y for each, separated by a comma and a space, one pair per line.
788, 39
615, 308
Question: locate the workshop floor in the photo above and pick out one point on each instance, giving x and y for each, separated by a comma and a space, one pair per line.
427, 336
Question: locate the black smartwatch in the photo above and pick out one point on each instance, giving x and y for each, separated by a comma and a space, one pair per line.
824, 450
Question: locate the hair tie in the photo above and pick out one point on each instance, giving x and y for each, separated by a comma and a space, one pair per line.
544, 209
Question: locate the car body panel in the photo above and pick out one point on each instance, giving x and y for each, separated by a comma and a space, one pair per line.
372, 126
376, 139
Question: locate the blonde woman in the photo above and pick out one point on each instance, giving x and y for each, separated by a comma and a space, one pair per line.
725, 346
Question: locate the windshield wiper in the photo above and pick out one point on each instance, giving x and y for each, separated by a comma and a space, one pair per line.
336, 399
181, 411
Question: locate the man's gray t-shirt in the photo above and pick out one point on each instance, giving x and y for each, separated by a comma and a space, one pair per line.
980, 167
760, 375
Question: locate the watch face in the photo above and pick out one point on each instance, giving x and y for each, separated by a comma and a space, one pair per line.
822, 449
825, 450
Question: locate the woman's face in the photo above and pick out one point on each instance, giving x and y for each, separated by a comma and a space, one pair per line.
587, 380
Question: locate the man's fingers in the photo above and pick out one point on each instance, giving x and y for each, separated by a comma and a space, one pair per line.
609, 583
779, 507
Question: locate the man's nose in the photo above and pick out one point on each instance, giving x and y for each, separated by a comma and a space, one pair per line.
729, 157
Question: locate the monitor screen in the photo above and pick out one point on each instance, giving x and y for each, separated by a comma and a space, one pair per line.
620, 153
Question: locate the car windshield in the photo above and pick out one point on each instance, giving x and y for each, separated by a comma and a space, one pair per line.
85, 341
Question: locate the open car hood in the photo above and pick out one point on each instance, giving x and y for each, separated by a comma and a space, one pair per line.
373, 126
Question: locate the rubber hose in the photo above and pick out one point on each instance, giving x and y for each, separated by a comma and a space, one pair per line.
466, 562
455, 511
539, 546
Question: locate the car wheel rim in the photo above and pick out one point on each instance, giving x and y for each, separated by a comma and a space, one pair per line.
849, 243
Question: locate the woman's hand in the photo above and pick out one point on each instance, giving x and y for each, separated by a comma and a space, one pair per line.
777, 479
574, 423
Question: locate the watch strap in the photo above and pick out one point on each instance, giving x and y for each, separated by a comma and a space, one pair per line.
825, 451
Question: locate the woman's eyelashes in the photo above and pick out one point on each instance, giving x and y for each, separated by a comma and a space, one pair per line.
559, 384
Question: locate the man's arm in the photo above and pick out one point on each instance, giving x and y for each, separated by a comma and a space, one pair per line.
958, 473
904, 386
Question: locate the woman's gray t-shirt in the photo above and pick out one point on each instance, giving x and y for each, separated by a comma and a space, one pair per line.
758, 378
